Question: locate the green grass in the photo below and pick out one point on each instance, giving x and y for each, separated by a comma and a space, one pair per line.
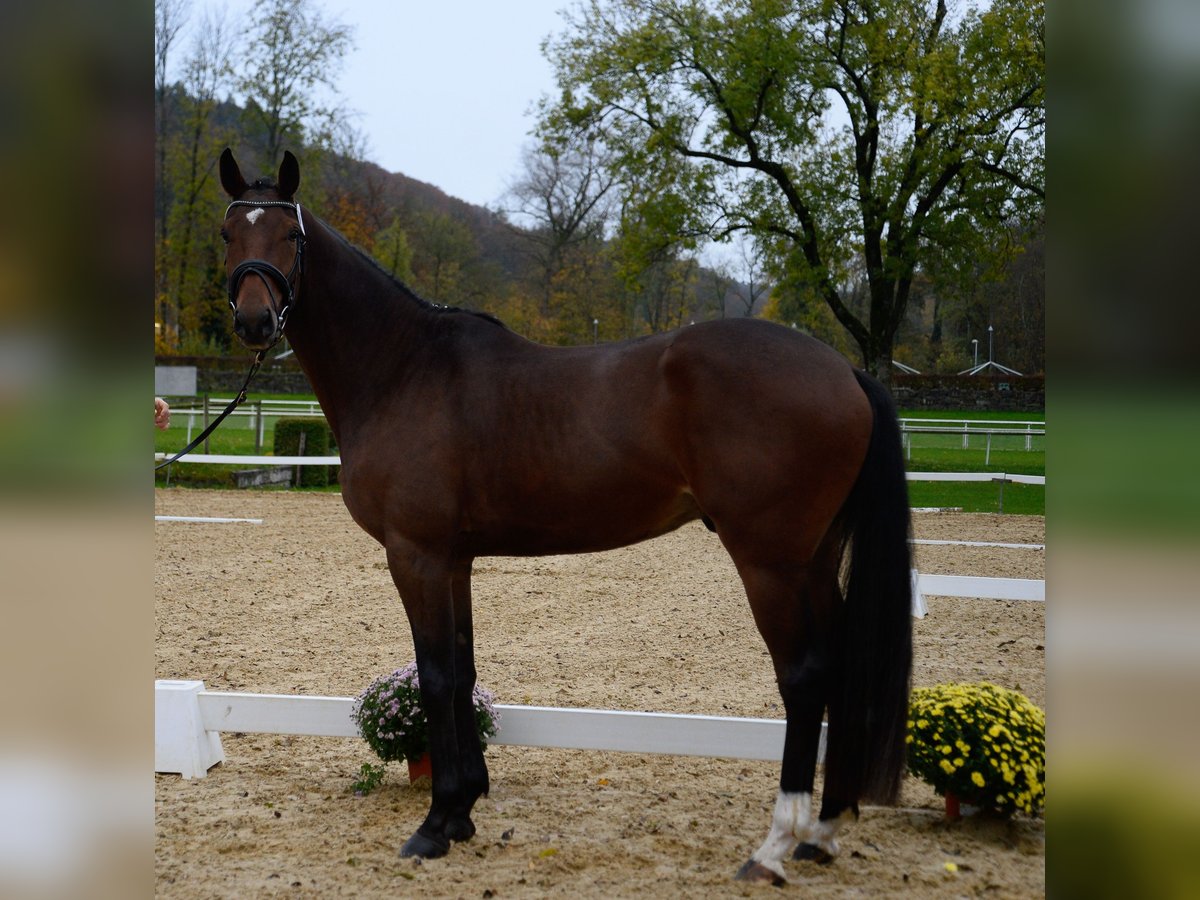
1013, 462
973, 415
979, 496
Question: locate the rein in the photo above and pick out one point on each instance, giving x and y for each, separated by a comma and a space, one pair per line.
268, 273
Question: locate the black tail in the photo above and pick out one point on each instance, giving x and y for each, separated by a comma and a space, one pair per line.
865, 753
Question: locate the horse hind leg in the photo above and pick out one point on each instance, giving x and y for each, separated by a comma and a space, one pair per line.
793, 608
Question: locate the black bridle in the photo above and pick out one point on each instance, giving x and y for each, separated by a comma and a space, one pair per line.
268, 272
287, 288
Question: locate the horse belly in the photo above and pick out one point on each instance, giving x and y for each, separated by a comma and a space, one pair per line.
568, 520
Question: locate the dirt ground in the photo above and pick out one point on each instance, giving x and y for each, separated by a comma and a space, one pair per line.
303, 604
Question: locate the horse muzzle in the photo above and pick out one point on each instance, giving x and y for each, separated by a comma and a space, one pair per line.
258, 322
259, 329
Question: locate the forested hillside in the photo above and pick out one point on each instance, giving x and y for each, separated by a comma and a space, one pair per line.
556, 286
595, 240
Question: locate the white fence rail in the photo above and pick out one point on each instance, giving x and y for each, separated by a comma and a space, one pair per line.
251, 460
189, 720
523, 726
966, 428
1033, 589
240, 459
972, 476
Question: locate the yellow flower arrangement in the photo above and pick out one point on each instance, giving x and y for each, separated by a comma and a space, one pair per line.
999, 740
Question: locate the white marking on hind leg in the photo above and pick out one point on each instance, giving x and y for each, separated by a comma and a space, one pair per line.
823, 833
790, 823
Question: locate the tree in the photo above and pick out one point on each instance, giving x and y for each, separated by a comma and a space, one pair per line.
296, 57
1012, 301
392, 250
564, 195
842, 134
443, 249
169, 18
753, 267
188, 296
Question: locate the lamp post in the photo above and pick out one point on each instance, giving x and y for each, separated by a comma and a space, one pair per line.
975, 345
595, 331
989, 343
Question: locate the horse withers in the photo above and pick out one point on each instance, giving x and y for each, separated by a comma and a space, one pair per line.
460, 439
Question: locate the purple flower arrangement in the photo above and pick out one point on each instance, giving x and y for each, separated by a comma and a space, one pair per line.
390, 718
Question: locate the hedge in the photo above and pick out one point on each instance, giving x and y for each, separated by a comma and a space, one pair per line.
318, 441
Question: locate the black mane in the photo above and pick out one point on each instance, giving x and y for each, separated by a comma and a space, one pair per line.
421, 301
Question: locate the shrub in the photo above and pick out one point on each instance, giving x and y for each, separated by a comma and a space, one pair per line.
318, 441
984, 743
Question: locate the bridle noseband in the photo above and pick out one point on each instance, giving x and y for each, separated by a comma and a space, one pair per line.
268, 272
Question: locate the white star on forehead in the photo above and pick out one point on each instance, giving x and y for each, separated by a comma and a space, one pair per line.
253, 215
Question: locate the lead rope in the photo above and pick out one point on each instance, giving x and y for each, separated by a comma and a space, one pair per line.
237, 401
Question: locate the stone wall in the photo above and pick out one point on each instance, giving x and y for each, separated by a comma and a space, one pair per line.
1019, 393
224, 374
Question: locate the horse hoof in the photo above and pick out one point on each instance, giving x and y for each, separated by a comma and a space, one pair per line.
425, 847
755, 871
460, 829
813, 853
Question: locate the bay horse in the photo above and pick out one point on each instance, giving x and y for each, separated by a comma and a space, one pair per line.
460, 439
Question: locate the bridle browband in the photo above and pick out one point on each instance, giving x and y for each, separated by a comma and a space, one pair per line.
268, 273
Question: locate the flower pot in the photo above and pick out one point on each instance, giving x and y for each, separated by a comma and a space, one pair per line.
420, 767
953, 810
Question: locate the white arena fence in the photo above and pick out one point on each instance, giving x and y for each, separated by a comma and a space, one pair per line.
195, 408
188, 720
235, 459
950, 433
263, 414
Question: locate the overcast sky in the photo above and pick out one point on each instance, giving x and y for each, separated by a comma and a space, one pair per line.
443, 90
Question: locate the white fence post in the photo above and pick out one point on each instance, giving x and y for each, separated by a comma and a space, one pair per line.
919, 609
181, 745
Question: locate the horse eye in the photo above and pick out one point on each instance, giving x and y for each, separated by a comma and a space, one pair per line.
225, 235
293, 234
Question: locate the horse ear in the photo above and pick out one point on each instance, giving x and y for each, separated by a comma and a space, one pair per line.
231, 176
289, 175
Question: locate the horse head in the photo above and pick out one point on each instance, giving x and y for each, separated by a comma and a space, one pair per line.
264, 250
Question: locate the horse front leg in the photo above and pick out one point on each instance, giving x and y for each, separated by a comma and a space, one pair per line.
473, 768
425, 584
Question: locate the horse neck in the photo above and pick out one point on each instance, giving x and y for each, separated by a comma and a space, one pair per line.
353, 328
